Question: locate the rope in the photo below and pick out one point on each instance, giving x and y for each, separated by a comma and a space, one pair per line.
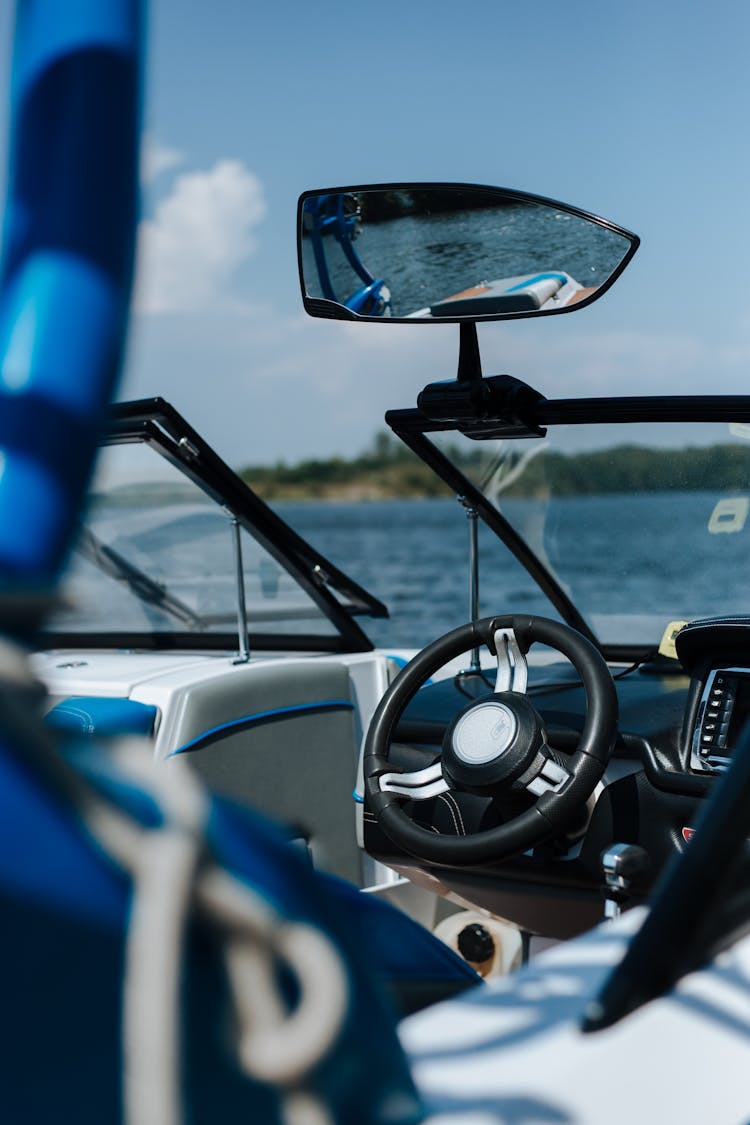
174, 877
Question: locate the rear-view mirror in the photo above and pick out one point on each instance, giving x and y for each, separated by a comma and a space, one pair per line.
451, 252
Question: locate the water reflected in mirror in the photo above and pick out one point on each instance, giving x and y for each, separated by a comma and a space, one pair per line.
429, 253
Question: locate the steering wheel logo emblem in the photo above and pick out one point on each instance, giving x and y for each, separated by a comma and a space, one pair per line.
500, 729
484, 733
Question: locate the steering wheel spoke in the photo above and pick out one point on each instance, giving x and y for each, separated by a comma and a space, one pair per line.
512, 669
419, 785
549, 779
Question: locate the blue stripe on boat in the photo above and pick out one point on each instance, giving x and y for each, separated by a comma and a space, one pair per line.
539, 277
258, 719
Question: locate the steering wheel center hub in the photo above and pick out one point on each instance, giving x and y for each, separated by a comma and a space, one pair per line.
484, 733
491, 743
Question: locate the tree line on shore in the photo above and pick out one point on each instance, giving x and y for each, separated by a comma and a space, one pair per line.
389, 470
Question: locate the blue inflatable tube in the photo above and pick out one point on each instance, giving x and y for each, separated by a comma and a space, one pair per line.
67, 265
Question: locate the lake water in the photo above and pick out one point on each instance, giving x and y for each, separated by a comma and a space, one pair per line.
632, 563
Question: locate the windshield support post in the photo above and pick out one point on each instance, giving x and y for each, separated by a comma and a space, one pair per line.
243, 642
472, 516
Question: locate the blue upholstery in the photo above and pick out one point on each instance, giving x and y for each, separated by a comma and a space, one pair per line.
65, 281
407, 957
414, 966
102, 716
68, 247
404, 949
65, 906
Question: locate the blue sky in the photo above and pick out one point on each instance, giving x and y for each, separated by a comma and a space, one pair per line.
637, 112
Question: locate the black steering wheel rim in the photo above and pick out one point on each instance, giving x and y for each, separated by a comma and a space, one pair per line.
552, 811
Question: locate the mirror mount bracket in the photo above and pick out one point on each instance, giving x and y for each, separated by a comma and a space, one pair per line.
498, 405
469, 360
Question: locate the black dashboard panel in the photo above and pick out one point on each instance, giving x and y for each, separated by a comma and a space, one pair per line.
650, 796
678, 723
700, 642
652, 706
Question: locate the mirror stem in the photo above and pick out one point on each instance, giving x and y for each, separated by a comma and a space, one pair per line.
469, 361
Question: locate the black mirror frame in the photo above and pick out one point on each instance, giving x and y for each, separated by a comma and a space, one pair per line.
332, 310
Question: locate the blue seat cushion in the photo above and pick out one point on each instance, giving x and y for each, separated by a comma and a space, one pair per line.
102, 716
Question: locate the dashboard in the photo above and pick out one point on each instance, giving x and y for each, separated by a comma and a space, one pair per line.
678, 725
723, 710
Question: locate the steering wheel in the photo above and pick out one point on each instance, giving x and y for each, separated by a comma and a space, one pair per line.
494, 746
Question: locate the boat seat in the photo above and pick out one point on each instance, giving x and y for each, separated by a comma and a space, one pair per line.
416, 968
285, 741
102, 716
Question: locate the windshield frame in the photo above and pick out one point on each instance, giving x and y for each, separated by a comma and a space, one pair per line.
412, 426
156, 423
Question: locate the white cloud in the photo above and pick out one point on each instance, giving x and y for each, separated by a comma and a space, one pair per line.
157, 158
198, 237
602, 362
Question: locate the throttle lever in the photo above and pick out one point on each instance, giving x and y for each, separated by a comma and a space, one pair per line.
622, 866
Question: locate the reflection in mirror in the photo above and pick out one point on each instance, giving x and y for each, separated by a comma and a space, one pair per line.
451, 252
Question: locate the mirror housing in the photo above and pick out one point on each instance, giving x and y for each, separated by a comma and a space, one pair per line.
440, 252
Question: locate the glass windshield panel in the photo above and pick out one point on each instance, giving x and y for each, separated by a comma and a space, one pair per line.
157, 555
640, 524
413, 554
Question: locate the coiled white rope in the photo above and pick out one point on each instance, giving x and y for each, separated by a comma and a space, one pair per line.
163, 867
171, 874
173, 879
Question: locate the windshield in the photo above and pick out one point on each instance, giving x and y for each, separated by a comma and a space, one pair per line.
640, 524
157, 555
